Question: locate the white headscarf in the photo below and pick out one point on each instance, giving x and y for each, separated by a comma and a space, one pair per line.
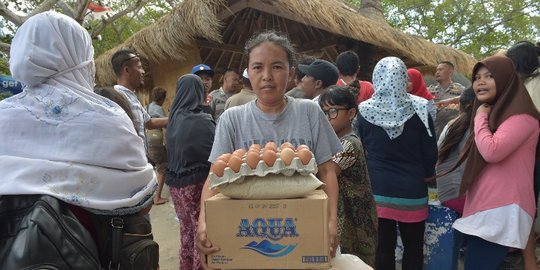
60, 138
391, 106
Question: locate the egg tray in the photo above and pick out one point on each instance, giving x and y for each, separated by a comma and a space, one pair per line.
279, 167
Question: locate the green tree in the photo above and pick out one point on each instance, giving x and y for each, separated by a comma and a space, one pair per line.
478, 27
4, 95
125, 26
132, 14
125, 18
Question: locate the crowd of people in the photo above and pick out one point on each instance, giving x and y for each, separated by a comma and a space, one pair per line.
377, 144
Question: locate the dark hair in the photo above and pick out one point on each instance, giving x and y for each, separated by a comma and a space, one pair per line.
448, 63
110, 93
222, 79
119, 59
456, 130
348, 63
246, 82
305, 60
338, 95
158, 94
271, 36
524, 55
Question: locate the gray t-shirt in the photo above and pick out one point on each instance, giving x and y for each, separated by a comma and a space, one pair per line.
301, 122
449, 184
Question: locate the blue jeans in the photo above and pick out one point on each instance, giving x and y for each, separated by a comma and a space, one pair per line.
482, 254
459, 242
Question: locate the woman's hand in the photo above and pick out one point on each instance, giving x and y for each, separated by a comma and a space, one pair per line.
204, 245
334, 239
484, 108
446, 102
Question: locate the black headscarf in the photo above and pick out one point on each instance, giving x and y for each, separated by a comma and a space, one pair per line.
190, 134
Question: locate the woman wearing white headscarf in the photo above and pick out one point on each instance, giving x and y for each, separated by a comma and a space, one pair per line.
60, 138
399, 138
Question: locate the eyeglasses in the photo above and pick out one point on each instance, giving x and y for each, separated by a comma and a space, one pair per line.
132, 56
332, 113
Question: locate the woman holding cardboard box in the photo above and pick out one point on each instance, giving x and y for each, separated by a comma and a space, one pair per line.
274, 117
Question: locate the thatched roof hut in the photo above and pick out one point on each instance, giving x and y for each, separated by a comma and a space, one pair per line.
214, 32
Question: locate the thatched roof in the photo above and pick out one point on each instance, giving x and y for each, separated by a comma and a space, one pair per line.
171, 37
322, 28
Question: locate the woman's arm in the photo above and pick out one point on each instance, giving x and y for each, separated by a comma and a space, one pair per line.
203, 244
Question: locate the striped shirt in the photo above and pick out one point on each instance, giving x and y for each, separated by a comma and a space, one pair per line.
139, 113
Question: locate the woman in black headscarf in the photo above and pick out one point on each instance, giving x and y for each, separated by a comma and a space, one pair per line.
190, 134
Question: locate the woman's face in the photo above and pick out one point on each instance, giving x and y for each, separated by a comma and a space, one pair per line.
484, 86
269, 72
409, 86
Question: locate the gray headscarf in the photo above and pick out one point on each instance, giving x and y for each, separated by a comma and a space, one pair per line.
190, 134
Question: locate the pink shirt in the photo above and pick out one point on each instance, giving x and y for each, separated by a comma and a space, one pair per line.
508, 176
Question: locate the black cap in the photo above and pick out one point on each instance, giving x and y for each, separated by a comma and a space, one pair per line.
321, 70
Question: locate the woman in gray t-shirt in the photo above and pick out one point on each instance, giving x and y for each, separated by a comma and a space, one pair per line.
275, 117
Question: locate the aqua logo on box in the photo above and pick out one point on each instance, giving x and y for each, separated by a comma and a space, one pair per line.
272, 228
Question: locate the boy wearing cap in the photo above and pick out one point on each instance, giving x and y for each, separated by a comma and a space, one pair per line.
319, 75
246, 94
206, 74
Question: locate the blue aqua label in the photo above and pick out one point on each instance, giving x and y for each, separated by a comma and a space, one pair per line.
271, 228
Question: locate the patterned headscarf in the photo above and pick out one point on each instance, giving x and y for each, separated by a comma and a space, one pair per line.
391, 106
60, 138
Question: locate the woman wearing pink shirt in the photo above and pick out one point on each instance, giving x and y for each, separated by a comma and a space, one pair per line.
498, 175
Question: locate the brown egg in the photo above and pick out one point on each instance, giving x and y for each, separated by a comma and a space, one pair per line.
269, 157
256, 147
287, 145
234, 163
287, 155
252, 159
225, 157
304, 155
271, 146
239, 152
218, 167
302, 146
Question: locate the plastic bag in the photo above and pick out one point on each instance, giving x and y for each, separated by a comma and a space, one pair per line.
272, 186
348, 262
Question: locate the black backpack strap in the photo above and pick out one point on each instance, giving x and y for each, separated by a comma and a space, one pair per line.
117, 227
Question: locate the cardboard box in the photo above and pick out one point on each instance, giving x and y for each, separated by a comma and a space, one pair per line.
269, 234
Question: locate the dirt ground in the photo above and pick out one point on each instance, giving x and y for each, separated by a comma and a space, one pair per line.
166, 233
